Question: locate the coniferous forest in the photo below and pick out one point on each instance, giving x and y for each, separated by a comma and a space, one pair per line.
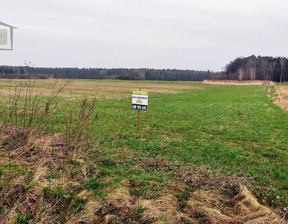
24, 72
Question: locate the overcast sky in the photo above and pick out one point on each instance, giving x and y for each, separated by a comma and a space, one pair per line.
182, 34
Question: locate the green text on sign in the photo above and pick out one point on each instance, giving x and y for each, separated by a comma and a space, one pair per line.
142, 92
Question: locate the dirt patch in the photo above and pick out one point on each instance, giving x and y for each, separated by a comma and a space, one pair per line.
239, 83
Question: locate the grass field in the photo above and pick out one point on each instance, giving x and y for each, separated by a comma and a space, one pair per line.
189, 129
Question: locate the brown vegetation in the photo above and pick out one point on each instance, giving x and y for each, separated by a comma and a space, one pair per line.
239, 83
98, 89
36, 194
281, 96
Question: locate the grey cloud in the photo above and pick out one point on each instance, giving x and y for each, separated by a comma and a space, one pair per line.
188, 34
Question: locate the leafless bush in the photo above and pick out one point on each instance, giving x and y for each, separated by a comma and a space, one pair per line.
77, 131
29, 113
26, 111
26, 116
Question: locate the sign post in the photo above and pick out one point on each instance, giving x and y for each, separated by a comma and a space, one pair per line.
138, 119
139, 101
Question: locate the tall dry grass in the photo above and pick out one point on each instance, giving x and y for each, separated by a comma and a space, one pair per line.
26, 112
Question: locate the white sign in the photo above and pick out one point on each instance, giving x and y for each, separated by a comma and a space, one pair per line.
6, 36
140, 99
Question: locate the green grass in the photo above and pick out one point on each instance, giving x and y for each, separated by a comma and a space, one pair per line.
23, 219
235, 130
232, 130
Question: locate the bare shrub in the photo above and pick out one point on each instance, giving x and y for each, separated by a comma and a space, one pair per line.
77, 131
27, 112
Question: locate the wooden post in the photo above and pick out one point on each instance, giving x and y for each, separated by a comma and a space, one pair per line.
138, 119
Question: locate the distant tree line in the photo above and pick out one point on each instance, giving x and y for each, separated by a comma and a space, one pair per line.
24, 72
256, 68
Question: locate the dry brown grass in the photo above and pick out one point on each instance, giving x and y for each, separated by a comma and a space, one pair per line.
204, 206
100, 89
41, 155
213, 207
239, 83
281, 96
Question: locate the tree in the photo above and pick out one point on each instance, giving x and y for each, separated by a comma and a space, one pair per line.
282, 61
